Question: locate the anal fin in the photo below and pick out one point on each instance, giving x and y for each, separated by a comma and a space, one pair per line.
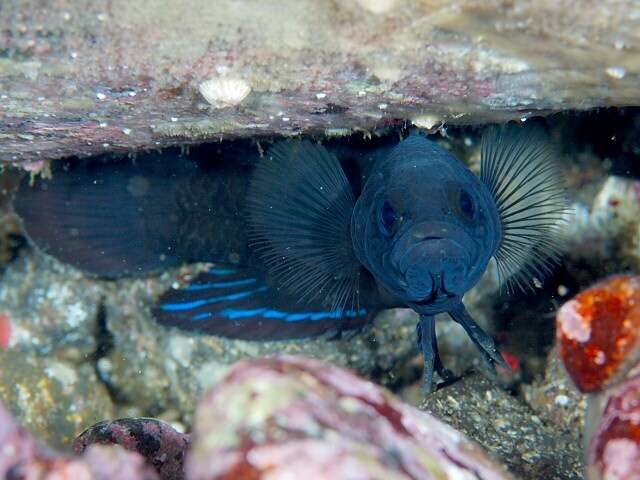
231, 302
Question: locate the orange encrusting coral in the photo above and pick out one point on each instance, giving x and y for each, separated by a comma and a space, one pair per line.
614, 450
598, 332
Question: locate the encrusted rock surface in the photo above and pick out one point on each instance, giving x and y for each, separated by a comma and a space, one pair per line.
80, 77
54, 399
290, 417
22, 458
159, 443
507, 428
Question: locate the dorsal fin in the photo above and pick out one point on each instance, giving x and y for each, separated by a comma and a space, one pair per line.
519, 166
299, 213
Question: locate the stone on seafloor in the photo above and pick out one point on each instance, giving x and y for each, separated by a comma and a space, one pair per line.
614, 449
599, 332
53, 399
52, 308
301, 418
158, 442
21, 458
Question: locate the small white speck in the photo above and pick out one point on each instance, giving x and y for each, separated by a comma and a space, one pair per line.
271, 117
74, 54
105, 145
616, 72
285, 119
383, 106
561, 400
174, 119
468, 142
619, 44
4, 97
102, 124
279, 114
100, 96
126, 131
66, 16
102, 17
523, 119
132, 93
321, 95
41, 99
536, 282
600, 358
362, 93
562, 290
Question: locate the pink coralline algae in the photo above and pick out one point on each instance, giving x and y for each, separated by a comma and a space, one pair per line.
5, 331
21, 458
291, 417
599, 336
161, 445
614, 450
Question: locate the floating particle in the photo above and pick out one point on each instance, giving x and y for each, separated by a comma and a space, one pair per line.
598, 332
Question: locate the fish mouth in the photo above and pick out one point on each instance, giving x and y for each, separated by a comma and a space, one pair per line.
439, 290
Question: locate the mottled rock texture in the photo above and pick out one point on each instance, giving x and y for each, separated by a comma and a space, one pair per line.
291, 417
79, 77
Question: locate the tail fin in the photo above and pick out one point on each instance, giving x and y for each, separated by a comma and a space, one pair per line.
108, 219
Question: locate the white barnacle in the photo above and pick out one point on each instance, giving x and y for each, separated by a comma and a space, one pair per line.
224, 92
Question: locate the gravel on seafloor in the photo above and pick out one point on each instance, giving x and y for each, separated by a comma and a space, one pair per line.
531, 446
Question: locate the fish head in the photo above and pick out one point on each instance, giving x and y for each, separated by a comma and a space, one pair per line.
425, 226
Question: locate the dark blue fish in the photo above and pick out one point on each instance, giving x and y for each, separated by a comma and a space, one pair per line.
295, 253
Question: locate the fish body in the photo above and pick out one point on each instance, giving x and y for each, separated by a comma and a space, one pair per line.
300, 249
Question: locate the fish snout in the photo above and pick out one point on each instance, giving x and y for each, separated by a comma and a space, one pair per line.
433, 267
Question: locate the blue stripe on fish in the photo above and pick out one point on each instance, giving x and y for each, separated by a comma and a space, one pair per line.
177, 307
222, 271
207, 286
235, 314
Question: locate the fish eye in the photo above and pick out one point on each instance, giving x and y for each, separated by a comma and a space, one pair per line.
387, 218
467, 205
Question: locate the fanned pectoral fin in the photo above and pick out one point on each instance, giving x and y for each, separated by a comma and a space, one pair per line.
520, 169
231, 302
299, 210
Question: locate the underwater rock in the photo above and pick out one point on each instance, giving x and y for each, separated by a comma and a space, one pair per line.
158, 442
598, 336
556, 400
530, 445
614, 449
297, 417
53, 399
599, 332
52, 309
146, 77
21, 458
605, 228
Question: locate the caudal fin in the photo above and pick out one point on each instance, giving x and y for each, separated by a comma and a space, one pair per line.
108, 219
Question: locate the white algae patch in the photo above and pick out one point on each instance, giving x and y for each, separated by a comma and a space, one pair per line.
573, 324
224, 92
